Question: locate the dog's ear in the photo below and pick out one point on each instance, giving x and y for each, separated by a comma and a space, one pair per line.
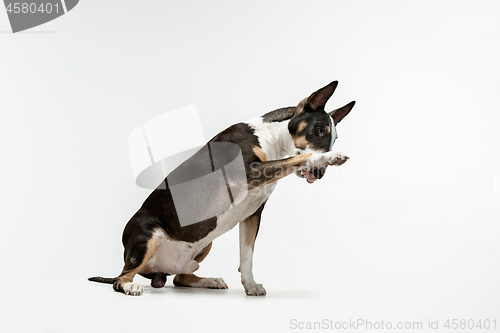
319, 98
340, 113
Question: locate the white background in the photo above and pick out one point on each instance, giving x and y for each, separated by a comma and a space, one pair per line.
407, 230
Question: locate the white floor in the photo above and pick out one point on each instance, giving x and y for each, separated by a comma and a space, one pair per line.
82, 306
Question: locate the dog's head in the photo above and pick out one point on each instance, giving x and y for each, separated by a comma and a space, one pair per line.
313, 129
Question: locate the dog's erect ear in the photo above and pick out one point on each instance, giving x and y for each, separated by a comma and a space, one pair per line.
340, 113
319, 98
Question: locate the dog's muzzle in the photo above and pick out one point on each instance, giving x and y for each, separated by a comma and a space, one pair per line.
312, 175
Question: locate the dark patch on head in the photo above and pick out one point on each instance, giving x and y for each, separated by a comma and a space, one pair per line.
311, 128
310, 125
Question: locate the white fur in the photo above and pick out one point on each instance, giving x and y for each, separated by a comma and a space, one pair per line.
333, 132
132, 288
212, 283
255, 290
252, 288
172, 257
324, 159
274, 138
308, 150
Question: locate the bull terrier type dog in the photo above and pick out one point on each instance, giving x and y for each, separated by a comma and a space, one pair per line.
288, 140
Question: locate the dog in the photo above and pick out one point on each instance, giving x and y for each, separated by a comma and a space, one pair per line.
288, 140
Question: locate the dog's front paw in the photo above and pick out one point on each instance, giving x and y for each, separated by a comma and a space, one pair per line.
335, 158
133, 289
325, 159
255, 290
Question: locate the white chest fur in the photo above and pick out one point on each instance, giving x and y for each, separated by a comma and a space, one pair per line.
274, 138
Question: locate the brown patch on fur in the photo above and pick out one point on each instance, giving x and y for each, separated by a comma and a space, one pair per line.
251, 227
300, 142
328, 129
252, 224
260, 153
298, 160
271, 171
186, 280
301, 126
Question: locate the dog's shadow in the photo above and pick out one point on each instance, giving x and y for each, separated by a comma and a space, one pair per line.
185, 291
232, 293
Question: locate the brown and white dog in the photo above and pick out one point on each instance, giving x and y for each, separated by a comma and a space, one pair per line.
289, 140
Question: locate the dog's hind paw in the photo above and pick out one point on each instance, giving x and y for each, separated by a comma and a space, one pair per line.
211, 283
255, 290
214, 283
131, 288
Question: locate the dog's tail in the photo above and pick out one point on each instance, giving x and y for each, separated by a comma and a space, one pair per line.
103, 280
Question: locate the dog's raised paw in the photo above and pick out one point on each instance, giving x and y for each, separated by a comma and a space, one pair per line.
255, 290
325, 159
336, 158
133, 289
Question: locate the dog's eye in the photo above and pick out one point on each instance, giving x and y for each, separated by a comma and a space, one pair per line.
319, 131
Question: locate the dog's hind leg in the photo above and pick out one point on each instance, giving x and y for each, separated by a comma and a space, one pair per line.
191, 280
136, 258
